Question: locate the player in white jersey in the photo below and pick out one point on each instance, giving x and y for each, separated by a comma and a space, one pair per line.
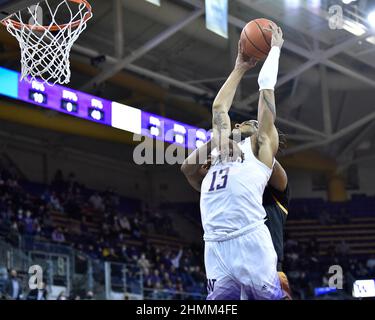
240, 258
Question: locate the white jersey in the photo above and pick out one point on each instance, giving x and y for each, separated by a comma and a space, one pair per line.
232, 194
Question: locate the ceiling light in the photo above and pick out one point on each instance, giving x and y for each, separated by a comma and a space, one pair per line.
293, 3
353, 27
315, 3
371, 18
371, 39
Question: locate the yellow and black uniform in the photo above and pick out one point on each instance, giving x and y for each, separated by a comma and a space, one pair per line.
276, 204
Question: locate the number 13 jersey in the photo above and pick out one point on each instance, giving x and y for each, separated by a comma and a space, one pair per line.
231, 196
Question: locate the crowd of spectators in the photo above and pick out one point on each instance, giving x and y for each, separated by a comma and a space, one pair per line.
166, 271
13, 287
307, 270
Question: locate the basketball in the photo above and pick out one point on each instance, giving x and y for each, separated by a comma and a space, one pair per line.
255, 41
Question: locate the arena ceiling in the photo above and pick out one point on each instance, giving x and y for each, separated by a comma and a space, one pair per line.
164, 60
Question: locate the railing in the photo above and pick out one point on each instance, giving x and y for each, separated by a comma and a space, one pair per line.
77, 272
122, 279
165, 294
13, 258
56, 268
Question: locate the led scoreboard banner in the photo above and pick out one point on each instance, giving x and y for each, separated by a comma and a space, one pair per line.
172, 131
65, 100
89, 107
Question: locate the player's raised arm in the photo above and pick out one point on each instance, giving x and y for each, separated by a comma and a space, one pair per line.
268, 139
279, 178
195, 163
220, 119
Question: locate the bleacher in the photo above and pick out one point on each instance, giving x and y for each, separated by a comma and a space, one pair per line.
62, 220
357, 228
359, 234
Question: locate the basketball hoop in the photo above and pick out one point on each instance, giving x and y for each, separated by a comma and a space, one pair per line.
45, 48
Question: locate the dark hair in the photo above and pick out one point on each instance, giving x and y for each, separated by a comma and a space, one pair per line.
282, 142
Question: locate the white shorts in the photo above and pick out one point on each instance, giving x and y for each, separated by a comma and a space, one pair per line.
243, 267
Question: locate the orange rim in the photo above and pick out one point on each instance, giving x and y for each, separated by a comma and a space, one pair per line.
56, 27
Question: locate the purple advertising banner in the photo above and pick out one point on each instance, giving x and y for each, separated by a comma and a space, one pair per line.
173, 131
66, 100
89, 107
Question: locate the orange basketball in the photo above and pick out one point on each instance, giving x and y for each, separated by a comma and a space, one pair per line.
255, 41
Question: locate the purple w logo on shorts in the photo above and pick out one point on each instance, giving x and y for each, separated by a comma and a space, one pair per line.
210, 284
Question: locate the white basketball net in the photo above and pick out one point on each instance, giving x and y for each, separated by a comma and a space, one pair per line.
45, 49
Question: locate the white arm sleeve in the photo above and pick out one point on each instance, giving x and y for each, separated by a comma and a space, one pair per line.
268, 74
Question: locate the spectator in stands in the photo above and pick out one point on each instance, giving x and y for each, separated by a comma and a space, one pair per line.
3, 280
155, 277
89, 295
46, 196
124, 254
37, 228
343, 249
158, 293
125, 224
136, 228
111, 200
116, 225
106, 231
305, 284
370, 263
105, 252
47, 221
170, 287
176, 260
179, 290
162, 268
324, 217
58, 235
13, 184
113, 255
38, 294
147, 279
174, 274
91, 252
55, 202
83, 227
198, 275
6, 212
20, 216
61, 296
353, 268
143, 262
72, 205
80, 260
14, 227
96, 202
13, 287
28, 223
